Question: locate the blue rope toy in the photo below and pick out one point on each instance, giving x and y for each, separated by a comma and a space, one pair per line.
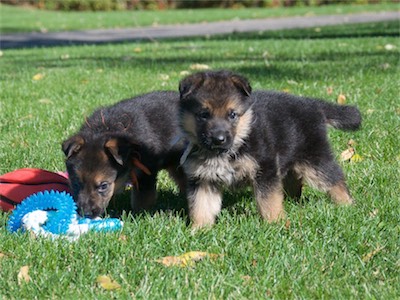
53, 213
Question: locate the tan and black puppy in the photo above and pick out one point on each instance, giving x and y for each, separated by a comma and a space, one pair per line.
129, 141
266, 138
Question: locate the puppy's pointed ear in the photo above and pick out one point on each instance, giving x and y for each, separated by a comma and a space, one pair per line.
73, 145
242, 84
119, 148
190, 83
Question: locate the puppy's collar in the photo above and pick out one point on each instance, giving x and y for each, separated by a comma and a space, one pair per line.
186, 153
176, 140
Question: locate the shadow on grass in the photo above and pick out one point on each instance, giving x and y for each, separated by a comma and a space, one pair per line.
296, 65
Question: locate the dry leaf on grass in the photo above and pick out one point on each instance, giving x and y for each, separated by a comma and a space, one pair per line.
23, 275
2, 255
390, 47
347, 154
38, 76
107, 283
184, 73
287, 224
164, 76
199, 67
186, 259
341, 99
356, 158
367, 257
45, 101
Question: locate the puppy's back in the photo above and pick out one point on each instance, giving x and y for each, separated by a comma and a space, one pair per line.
149, 119
282, 106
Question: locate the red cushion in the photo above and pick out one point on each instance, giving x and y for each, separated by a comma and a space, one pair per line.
19, 184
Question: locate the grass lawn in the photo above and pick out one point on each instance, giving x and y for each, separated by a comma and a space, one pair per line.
16, 19
320, 251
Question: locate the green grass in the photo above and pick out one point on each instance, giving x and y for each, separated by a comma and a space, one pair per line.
323, 252
16, 19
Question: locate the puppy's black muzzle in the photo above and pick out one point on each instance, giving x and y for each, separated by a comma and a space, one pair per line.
219, 140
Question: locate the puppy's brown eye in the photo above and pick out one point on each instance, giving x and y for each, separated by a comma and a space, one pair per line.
103, 187
203, 115
233, 115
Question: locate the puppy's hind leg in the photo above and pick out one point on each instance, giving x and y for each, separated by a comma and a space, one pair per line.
204, 201
327, 177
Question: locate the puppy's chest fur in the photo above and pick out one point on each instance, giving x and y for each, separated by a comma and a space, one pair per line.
222, 169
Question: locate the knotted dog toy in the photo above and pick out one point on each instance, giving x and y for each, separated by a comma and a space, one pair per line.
52, 214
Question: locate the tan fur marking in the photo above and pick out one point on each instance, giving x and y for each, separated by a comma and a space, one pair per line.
243, 129
204, 205
313, 178
271, 206
340, 194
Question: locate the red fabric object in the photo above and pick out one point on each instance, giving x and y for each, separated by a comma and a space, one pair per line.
19, 184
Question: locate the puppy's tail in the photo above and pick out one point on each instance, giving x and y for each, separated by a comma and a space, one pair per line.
342, 117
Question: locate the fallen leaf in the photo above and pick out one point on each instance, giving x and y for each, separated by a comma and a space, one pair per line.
164, 76
2, 255
123, 238
199, 67
184, 73
287, 224
246, 277
329, 90
341, 99
351, 142
23, 275
107, 283
370, 111
186, 259
347, 154
292, 82
356, 158
374, 213
389, 47
367, 257
38, 76
137, 50
45, 101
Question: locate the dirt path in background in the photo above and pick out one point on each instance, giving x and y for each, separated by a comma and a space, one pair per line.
98, 36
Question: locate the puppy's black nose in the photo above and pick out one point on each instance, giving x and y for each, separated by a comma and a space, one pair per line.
218, 139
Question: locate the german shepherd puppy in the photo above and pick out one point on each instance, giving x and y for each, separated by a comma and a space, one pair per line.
129, 141
267, 138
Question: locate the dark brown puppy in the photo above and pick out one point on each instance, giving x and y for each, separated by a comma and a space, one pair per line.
129, 141
266, 138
